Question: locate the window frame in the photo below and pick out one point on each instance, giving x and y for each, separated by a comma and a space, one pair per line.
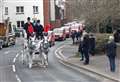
35, 9
20, 24
19, 9
6, 10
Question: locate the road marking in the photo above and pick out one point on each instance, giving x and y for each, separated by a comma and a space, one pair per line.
14, 60
18, 79
7, 52
17, 55
60, 53
13, 67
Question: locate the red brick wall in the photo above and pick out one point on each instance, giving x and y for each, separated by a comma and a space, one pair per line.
46, 6
56, 23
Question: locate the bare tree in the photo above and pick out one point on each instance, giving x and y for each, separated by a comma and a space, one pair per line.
94, 11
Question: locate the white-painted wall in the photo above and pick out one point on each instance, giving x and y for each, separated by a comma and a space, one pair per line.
28, 10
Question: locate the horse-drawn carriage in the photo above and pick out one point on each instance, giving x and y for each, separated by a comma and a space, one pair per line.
35, 51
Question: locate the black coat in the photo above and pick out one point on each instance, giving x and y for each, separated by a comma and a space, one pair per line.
39, 28
92, 42
111, 49
86, 43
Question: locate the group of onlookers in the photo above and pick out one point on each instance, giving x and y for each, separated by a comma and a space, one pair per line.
87, 44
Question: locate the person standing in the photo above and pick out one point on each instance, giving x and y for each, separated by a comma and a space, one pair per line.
86, 48
117, 36
73, 36
92, 44
28, 27
39, 30
111, 53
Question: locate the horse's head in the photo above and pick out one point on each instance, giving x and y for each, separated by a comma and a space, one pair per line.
45, 43
31, 42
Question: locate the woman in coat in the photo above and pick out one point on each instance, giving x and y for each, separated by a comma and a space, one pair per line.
111, 53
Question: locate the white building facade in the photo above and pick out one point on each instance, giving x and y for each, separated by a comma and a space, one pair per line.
19, 10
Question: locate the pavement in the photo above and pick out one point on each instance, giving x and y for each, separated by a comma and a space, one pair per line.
98, 64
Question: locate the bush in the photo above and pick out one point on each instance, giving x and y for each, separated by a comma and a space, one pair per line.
101, 40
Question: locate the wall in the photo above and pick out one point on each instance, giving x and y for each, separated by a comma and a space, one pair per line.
46, 5
28, 10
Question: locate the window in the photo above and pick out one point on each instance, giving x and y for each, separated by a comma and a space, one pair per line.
6, 10
35, 9
20, 24
19, 10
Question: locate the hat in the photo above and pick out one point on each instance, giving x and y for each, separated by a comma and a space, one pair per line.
28, 18
38, 21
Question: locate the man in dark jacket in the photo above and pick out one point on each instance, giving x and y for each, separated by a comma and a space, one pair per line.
111, 52
39, 30
86, 49
92, 44
28, 27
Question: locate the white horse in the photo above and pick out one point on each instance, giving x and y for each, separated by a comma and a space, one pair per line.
33, 52
45, 49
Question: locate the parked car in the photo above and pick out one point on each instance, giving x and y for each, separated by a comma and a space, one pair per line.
60, 34
67, 30
51, 38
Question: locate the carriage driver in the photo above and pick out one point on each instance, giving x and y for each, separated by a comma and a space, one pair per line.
29, 28
39, 30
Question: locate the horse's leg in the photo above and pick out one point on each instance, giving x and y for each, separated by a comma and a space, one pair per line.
30, 62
